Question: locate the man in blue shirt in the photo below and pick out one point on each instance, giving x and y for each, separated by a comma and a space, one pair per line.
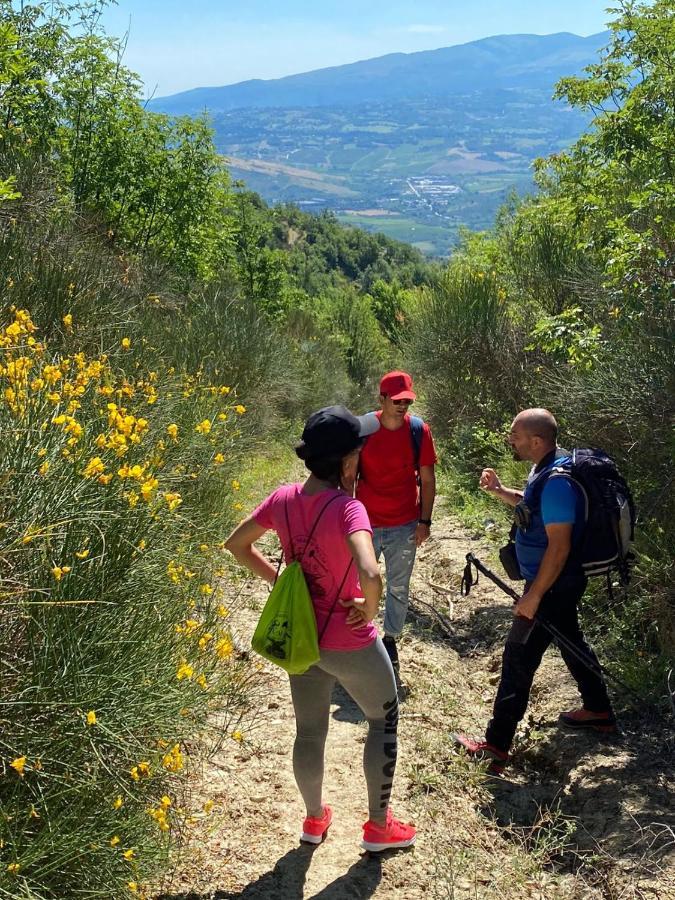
550, 524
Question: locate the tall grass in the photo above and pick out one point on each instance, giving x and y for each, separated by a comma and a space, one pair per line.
461, 343
115, 646
484, 350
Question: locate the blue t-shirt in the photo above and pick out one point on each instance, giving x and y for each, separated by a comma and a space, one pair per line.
562, 503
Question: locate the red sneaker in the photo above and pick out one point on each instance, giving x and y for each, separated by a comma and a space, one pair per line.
481, 750
603, 722
393, 835
315, 829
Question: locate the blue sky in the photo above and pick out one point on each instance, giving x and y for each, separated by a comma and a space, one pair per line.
175, 45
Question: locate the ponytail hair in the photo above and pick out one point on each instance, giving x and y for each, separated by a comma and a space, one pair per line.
327, 468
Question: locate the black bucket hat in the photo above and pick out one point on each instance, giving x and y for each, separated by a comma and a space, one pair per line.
334, 432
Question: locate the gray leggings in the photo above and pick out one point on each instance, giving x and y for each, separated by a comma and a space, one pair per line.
368, 677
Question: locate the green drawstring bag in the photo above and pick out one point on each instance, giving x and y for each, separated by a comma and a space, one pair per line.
286, 633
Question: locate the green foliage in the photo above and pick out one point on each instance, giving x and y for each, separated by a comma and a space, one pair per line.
32, 48
460, 343
157, 182
314, 364
115, 645
568, 338
261, 269
7, 191
549, 265
391, 305
588, 272
621, 173
351, 316
324, 254
54, 269
225, 337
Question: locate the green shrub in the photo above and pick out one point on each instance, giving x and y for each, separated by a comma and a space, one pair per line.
463, 345
351, 317
115, 642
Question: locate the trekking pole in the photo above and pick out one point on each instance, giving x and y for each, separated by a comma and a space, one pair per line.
468, 581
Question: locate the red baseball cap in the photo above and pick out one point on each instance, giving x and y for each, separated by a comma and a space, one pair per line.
397, 386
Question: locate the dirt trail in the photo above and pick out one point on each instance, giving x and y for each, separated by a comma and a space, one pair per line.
573, 818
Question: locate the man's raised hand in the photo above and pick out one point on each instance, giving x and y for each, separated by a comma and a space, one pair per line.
489, 481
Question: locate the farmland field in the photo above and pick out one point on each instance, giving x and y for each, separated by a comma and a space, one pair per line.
435, 164
434, 240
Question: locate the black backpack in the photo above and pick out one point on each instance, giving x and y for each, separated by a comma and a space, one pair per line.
610, 516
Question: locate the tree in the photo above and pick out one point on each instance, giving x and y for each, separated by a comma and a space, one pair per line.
621, 174
261, 269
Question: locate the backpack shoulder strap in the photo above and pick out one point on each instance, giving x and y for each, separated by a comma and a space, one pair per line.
416, 435
565, 472
309, 538
312, 530
554, 468
358, 466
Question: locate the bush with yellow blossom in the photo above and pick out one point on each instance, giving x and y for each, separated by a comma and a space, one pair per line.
116, 644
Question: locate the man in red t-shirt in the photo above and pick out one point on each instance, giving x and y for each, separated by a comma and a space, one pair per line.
398, 507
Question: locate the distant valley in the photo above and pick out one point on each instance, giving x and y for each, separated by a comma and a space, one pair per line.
414, 145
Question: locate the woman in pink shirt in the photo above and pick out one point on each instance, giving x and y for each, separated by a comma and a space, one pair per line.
320, 524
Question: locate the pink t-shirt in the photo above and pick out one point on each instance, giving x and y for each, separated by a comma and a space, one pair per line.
327, 557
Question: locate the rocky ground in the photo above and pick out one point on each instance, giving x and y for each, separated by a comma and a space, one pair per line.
573, 817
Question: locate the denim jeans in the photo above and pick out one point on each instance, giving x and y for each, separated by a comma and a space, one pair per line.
398, 546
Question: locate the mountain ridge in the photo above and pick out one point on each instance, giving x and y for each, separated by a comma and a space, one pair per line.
517, 61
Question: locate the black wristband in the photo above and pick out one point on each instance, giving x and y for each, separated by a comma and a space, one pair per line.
424, 522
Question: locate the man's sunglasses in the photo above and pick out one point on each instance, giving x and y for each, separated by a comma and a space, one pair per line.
401, 402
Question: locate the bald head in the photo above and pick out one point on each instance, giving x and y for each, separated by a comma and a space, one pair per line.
538, 423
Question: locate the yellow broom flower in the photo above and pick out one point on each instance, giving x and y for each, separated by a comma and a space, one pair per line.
18, 765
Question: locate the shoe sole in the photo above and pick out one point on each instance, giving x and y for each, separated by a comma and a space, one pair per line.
589, 726
313, 838
395, 845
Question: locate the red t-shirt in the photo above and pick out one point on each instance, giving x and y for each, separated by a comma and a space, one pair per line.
387, 484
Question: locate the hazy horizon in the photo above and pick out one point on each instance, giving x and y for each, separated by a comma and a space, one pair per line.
175, 48
365, 59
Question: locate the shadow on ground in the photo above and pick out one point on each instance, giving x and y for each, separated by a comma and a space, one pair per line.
617, 794
347, 709
286, 881
483, 630
359, 881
